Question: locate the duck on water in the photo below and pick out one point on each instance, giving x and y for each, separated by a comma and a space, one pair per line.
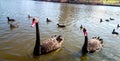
61, 25
114, 32
48, 20
10, 19
92, 45
47, 46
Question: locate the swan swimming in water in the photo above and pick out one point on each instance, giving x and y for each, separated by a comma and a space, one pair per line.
92, 45
47, 46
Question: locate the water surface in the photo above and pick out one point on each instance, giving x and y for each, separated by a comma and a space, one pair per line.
17, 44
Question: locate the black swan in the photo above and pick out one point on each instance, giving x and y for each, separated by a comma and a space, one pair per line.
93, 45
48, 20
61, 25
47, 46
10, 19
114, 32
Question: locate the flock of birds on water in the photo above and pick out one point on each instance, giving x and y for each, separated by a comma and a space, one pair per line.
108, 20
55, 42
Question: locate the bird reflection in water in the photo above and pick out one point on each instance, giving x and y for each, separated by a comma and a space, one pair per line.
13, 26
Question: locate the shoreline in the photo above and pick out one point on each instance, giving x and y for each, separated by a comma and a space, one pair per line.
100, 4
86, 3
89, 3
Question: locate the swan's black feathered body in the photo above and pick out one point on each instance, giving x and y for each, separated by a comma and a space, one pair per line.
51, 44
92, 45
47, 46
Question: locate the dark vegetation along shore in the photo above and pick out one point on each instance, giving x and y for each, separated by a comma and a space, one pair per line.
117, 4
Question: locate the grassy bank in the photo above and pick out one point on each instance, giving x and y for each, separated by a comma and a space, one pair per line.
89, 2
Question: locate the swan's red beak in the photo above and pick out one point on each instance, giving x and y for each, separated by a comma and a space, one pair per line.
85, 32
33, 23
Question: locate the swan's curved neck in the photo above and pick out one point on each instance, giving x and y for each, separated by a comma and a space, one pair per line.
84, 48
8, 18
37, 43
37, 33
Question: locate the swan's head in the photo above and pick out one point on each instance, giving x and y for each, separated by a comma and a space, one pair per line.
57, 23
7, 17
35, 20
85, 32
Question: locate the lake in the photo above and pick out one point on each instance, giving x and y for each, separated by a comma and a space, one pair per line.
17, 44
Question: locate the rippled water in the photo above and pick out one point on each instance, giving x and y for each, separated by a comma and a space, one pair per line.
17, 44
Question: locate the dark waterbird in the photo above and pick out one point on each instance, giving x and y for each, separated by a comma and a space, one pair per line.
47, 46
114, 32
48, 20
112, 18
118, 26
30, 16
92, 45
61, 25
107, 20
101, 20
81, 27
10, 19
